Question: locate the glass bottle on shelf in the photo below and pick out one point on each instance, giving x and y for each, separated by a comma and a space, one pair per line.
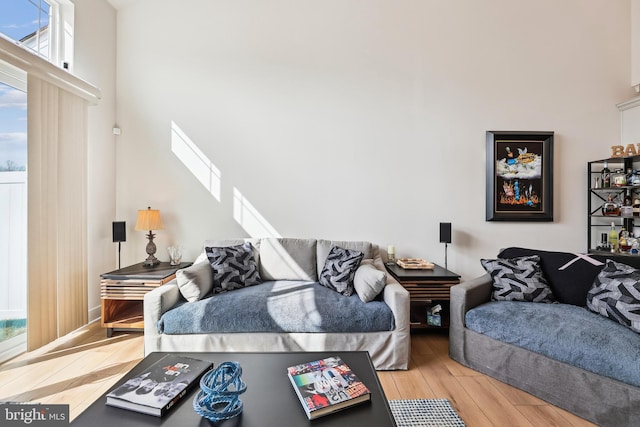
623, 238
611, 208
604, 242
626, 209
613, 238
618, 178
606, 175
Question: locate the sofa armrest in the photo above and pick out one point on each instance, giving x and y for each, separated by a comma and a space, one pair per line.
397, 298
469, 294
157, 302
394, 294
464, 297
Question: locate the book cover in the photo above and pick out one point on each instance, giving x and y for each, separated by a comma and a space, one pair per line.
160, 386
327, 385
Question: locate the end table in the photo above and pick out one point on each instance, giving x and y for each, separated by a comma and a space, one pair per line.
426, 289
122, 293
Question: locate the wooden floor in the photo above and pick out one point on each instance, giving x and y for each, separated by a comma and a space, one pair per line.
79, 368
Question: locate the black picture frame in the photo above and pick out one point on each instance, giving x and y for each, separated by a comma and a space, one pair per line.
519, 176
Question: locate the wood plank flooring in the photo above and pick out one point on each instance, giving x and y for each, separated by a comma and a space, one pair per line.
80, 367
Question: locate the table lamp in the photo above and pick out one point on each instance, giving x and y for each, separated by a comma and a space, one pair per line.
149, 219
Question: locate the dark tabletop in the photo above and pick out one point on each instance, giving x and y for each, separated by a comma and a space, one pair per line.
269, 401
438, 273
141, 271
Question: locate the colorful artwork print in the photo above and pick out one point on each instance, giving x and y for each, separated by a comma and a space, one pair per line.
519, 168
518, 175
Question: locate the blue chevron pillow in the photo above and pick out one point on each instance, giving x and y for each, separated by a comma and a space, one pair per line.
518, 279
234, 267
616, 294
339, 269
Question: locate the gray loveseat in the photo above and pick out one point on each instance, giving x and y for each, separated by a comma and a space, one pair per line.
562, 352
288, 311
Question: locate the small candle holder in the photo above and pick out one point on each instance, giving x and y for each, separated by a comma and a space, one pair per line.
175, 255
391, 255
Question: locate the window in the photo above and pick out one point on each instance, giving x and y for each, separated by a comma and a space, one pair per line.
43, 26
13, 211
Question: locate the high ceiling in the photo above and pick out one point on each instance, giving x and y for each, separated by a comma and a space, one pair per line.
119, 4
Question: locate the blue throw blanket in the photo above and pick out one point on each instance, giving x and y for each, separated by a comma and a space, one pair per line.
563, 332
278, 306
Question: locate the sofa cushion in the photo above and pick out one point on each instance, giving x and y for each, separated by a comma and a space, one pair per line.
518, 279
278, 306
339, 269
616, 294
288, 259
569, 275
195, 281
368, 281
563, 332
234, 267
324, 246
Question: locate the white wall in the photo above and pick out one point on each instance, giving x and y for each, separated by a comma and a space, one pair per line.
346, 119
635, 44
95, 57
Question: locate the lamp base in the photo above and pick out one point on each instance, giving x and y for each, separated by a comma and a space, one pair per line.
151, 250
151, 261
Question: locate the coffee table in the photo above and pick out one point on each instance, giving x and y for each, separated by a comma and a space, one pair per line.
269, 401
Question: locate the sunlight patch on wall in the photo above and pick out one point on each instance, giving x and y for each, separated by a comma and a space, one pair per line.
195, 160
250, 219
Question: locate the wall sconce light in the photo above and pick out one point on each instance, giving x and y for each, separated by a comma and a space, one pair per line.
149, 219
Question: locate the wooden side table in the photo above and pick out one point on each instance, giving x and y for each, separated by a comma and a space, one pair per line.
122, 293
426, 289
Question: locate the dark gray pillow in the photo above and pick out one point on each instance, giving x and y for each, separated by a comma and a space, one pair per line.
518, 279
339, 269
616, 294
234, 267
570, 275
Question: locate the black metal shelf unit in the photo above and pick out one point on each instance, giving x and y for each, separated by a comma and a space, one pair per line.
598, 223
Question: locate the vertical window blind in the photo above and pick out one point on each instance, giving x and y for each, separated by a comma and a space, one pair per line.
57, 196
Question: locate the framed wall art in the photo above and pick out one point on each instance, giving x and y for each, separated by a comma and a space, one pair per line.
519, 176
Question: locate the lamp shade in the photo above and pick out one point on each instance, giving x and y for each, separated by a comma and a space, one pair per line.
149, 219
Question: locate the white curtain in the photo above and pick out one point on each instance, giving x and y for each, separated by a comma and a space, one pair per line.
57, 206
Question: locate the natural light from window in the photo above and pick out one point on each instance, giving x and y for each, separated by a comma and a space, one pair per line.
43, 26
27, 21
13, 211
203, 169
195, 160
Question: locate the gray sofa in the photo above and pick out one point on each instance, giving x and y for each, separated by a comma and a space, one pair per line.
288, 311
562, 353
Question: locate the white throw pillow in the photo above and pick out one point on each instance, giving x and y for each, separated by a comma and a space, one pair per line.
369, 281
195, 281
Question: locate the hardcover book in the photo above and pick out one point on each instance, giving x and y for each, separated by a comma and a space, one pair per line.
159, 387
327, 385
